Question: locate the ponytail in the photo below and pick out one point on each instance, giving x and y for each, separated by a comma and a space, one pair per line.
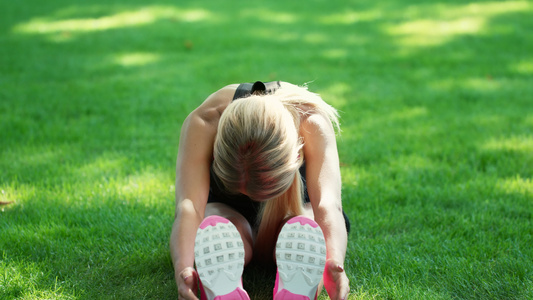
272, 214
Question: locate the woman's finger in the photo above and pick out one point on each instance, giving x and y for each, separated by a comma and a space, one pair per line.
187, 286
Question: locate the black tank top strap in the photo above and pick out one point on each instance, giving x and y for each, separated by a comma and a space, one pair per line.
246, 89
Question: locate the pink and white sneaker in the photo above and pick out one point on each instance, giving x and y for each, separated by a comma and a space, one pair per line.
300, 257
219, 258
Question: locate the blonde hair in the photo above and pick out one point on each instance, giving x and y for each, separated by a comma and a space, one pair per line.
258, 152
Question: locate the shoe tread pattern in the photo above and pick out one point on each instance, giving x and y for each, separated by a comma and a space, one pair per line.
300, 253
219, 251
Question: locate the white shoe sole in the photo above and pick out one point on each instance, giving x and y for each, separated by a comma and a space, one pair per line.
219, 257
300, 257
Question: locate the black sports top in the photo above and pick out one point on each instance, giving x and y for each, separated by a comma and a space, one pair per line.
246, 89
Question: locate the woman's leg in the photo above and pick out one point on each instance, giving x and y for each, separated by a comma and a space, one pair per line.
240, 222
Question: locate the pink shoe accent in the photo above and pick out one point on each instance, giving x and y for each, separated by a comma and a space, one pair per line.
238, 294
212, 221
303, 220
286, 295
276, 285
202, 292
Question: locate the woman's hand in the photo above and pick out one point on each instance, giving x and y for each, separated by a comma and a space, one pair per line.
187, 284
335, 280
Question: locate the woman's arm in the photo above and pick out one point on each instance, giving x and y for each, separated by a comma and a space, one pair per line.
192, 185
324, 189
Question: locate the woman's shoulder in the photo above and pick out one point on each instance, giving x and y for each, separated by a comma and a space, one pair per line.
213, 106
224, 94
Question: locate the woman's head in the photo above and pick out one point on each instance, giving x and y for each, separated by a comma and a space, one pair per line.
258, 153
257, 147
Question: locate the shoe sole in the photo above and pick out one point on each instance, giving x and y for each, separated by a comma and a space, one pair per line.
300, 258
219, 258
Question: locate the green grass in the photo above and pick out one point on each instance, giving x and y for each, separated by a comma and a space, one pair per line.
436, 149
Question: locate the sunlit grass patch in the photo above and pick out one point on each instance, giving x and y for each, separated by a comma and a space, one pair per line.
518, 185
522, 143
350, 16
23, 280
144, 16
428, 32
136, 59
524, 67
436, 24
65, 29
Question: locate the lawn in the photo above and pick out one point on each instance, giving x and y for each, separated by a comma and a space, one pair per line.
436, 149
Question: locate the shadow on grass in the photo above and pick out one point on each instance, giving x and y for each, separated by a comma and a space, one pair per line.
107, 250
93, 97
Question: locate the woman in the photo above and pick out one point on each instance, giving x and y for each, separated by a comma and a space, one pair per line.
243, 155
